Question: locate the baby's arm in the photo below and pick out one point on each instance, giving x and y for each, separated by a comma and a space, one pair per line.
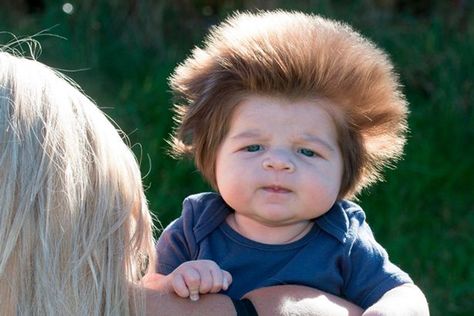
196, 277
406, 299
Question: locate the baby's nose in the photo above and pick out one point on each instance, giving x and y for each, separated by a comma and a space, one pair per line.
278, 162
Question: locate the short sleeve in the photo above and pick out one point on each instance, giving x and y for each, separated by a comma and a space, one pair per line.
182, 240
177, 243
371, 274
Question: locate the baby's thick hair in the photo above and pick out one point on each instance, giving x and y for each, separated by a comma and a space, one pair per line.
292, 55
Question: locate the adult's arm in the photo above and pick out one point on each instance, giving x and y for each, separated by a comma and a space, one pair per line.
170, 304
281, 300
403, 300
300, 300
162, 301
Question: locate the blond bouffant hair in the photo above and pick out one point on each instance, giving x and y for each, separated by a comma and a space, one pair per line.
292, 55
75, 229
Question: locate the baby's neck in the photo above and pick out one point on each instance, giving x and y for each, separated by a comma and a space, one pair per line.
268, 234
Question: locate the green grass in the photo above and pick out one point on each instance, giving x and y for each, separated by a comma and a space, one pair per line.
423, 213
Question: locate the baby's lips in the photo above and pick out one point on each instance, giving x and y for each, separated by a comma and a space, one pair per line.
276, 189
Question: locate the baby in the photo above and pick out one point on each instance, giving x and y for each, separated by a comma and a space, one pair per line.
288, 116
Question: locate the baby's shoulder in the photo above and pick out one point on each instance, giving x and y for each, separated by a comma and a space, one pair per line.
343, 220
203, 202
354, 213
204, 211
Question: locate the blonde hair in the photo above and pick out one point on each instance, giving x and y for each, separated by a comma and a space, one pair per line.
292, 55
75, 229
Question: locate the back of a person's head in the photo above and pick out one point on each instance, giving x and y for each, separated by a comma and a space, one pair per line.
75, 231
292, 55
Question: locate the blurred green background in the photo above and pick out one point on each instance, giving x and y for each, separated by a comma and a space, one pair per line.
121, 53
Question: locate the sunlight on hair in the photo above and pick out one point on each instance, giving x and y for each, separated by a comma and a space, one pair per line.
72, 199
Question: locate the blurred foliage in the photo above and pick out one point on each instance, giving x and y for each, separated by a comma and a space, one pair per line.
121, 53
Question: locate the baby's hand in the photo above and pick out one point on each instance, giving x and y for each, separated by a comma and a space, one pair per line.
199, 276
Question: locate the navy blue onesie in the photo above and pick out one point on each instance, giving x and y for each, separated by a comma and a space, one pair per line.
339, 255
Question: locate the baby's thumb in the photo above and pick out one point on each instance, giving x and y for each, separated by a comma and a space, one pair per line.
227, 280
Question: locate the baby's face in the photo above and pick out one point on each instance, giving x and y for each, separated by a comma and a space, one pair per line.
280, 162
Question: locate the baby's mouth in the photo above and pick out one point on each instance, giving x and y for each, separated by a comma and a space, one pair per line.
276, 189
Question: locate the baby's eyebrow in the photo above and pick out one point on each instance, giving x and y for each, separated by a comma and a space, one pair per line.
318, 140
246, 134
254, 133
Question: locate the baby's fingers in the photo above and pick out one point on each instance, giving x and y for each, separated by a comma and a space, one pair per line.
179, 286
227, 280
187, 283
221, 280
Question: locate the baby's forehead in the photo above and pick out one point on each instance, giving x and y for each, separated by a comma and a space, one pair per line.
261, 106
266, 114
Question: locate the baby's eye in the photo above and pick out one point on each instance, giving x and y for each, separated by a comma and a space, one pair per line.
307, 152
253, 148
